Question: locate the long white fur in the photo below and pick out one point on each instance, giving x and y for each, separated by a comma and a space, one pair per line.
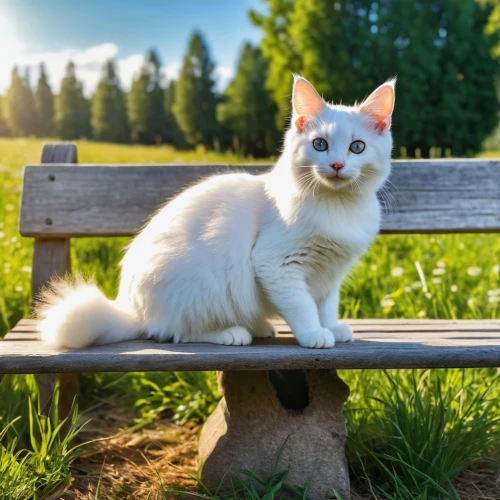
227, 254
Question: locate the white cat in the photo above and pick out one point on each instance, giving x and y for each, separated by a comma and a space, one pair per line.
227, 254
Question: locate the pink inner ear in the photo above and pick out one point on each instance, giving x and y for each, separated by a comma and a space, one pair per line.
306, 101
379, 105
300, 123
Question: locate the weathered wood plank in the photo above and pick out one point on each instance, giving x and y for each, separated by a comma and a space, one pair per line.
391, 326
60, 153
425, 196
470, 344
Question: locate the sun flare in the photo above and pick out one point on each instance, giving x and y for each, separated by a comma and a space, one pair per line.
9, 40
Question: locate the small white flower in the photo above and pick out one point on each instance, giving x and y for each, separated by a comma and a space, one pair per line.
461, 246
397, 271
13, 239
494, 299
387, 302
471, 301
19, 288
407, 289
436, 281
428, 295
26, 269
421, 314
494, 293
474, 271
416, 285
439, 271
441, 263
496, 269
2, 234
9, 207
374, 267
454, 288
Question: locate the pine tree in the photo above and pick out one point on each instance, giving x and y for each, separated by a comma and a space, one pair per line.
145, 103
20, 105
247, 110
72, 113
44, 102
173, 133
109, 116
4, 127
195, 99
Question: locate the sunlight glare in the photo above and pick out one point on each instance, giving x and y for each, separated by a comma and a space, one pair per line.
9, 42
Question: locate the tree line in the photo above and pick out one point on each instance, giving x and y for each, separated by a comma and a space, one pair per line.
185, 112
444, 52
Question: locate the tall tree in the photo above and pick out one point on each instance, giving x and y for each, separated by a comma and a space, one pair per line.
195, 99
44, 102
278, 48
173, 132
72, 113
145, 103
441, 51
109, 115
20, 105
4, 126
247, 109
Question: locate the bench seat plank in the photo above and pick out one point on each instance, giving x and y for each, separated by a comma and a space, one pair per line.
380, 344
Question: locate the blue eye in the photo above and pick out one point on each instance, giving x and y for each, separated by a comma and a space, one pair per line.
357, 147
320, 144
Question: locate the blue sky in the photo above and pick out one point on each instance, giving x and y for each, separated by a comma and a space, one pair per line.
92, 30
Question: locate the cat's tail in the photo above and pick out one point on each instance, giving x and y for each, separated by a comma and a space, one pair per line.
77, 314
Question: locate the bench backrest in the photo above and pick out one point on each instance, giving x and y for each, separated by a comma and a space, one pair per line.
62, 201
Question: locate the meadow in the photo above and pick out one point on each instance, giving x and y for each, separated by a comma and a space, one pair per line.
413, 434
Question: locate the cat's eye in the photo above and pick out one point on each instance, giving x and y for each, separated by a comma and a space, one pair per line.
320, 144
357, 147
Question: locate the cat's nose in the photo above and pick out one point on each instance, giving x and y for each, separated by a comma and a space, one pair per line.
337, 166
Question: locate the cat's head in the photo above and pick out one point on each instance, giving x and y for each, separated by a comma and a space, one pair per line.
340, 147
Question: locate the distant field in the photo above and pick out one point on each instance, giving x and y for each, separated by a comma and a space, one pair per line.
461, 279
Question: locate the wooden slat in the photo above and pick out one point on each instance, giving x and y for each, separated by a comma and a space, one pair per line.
434, 345
426, 196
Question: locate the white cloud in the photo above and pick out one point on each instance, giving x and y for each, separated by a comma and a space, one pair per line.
88, 64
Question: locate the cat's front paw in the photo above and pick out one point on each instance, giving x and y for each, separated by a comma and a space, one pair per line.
341, 332
318, 339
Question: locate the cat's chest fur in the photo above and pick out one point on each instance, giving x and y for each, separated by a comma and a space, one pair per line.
324, 243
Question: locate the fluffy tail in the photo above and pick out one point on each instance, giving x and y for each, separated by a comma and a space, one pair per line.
77, 314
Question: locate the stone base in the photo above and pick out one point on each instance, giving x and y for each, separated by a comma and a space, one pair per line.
256, 417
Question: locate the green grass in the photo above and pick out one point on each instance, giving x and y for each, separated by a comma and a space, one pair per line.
410, 432
35, 451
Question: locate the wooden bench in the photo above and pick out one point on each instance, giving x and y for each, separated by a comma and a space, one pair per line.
62, 201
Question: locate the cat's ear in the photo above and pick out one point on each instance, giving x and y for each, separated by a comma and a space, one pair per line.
306, 102
379, 105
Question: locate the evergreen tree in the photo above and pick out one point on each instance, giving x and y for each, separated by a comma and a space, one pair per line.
109, 116
247, 110
4, 126
173, 132
44, 102
20, 105
195, 99
145, 103
72, 113
278, 48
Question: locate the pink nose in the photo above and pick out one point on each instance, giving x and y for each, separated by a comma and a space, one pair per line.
337, 166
